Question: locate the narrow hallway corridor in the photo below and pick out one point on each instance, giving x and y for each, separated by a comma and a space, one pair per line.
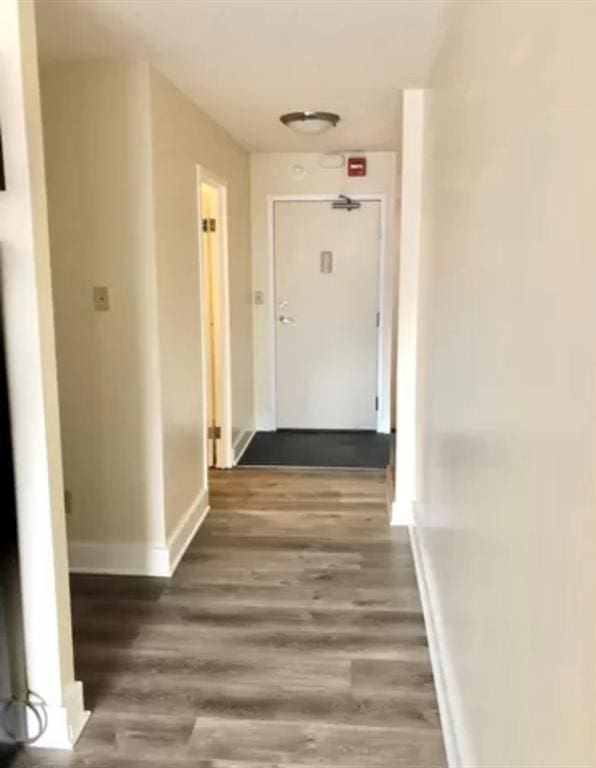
291, 635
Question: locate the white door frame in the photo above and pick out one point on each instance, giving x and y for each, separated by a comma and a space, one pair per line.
385, 305
225, 458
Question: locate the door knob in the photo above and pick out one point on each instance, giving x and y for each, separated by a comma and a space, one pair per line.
286, 320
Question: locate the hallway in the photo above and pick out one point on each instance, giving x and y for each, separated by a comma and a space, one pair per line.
291, 634
285, 240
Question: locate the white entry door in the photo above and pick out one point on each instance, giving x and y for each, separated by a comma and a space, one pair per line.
327, 296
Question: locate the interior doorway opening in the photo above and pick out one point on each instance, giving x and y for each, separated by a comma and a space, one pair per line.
330, 321
212, 195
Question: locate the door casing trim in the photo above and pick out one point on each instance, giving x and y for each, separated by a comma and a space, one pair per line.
225, 458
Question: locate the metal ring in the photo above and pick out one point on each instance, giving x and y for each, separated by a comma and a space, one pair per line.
293, 117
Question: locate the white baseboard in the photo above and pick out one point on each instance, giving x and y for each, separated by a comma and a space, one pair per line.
401, 514
119, 559
186, 529
138, 559
241, 443
63, 724
439, 661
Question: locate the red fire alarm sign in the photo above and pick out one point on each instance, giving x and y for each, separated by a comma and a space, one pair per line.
356, 166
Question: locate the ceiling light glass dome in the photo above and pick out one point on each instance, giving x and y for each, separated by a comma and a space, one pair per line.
310, 122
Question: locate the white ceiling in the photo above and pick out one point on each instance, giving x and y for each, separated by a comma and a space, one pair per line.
245, 62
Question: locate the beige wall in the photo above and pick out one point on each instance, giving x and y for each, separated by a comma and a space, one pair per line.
506, 507
122, 147
101, 227
271, 174
183, 136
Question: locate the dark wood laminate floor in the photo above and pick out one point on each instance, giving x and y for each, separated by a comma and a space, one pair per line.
291, 635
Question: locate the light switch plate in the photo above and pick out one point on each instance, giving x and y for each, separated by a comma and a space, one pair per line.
101, 298
326, 262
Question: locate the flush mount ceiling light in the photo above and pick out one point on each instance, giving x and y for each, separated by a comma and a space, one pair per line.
310, 122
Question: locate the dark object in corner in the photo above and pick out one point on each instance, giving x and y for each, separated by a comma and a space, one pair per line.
8, 517
2, 179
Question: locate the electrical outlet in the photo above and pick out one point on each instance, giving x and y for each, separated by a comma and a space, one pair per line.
259, 298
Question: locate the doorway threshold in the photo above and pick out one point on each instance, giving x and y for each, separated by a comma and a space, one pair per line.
329, 449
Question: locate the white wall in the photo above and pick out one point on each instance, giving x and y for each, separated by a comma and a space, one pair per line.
407, 381
505, 517
271, 174
183, 136
31, 371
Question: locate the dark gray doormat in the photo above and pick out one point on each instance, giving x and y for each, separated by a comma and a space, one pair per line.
317, 448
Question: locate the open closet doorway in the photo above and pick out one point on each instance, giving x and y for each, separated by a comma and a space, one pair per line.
212, 195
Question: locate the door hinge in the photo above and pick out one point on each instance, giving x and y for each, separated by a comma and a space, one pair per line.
377, 403
378, 319
209, 225
214, 433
